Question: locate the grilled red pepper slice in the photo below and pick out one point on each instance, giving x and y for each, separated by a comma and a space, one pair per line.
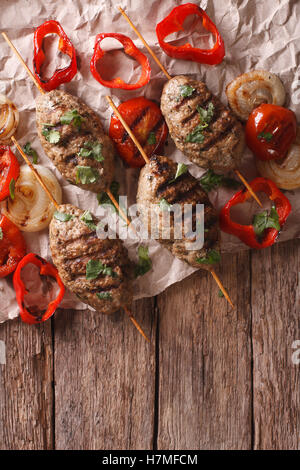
62, 75
9, 169
148, 125
174, 22
12, 246
246, 233
270, 131
129, 49
46, 269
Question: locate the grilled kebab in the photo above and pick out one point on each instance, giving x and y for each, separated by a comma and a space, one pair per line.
79, 142
203, 128
98, 271
157, 183
73, 138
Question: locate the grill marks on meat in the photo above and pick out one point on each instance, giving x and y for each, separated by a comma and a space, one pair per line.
133, 125
50, 107
154, 185
223, 143
73, 245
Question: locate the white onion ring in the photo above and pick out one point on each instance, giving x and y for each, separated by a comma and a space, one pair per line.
9, 119
251, 89
31, 209
285, 173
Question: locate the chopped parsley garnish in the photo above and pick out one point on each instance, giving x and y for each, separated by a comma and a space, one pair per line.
151, 138
94, 268
164, 205
104, 295
186, 90
213, 257
263, 220
220, 294
63, 216
12, 185
87, 218
72, 117
92, 150
52, 136
144, 264
268, 136
103, 198
31, 152
196, 136
211, 180
181, 169
206, 115
86, 174
1, 234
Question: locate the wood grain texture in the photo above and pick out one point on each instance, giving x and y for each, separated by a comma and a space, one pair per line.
276, 325
207, 358
26, 392
105, 380
205, 361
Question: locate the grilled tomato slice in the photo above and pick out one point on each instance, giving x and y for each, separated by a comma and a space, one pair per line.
270, 131
148, 125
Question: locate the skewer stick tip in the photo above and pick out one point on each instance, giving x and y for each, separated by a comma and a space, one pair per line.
16, 52
223, 290
145, 43
138, 327
245, 182
119, 208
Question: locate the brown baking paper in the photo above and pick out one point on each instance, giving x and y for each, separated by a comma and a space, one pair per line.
261, 35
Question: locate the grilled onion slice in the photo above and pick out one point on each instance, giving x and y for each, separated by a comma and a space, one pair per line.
285, 173
31, 209
252, 89
9, 119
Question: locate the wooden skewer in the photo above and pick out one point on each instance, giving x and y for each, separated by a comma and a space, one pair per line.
136, 324
145, 44
23, 63
169, 77
35, 172
224, 291
115, 203
145, 157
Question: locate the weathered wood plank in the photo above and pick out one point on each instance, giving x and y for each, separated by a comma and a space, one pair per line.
276, 325
205, 362
26, 389
105, 380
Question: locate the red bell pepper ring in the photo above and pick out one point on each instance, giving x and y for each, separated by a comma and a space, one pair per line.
62, 75
174, 22
46, 269
246, 233
9, 169
129, 49
12, 246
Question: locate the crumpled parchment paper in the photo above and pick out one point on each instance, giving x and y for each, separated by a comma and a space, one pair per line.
261, 35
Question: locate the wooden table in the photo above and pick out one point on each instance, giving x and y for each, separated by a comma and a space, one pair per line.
212, 378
